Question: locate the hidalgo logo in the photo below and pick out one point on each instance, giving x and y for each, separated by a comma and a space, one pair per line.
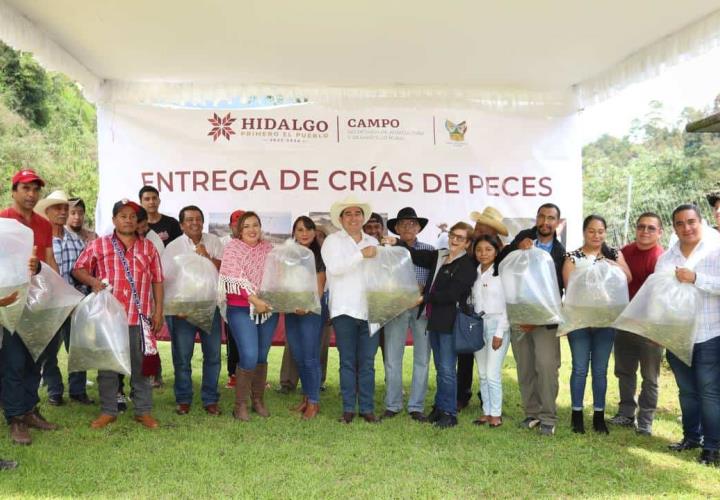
221, 126
457, 132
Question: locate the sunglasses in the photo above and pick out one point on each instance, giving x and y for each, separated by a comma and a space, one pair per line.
646, 227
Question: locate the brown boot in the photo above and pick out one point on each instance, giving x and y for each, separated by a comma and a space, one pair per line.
35, 420
243, 379
311, 411
258, 390
300, 407
19, 432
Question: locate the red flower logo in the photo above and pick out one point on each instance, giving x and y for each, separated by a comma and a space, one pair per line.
221, 126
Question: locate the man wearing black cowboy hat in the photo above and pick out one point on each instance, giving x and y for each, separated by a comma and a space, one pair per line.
407, 225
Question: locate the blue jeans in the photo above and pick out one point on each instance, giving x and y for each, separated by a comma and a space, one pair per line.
21, 377
253, 341
303, 334
182, 337
590, 348
445, 357
51, 372
357, 363
699, 387
395, 335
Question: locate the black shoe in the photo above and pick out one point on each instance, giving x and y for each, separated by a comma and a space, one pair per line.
7, 464
710, 457
370, 418
599, 425
529, 423
434, 415
390, 414
83, 399
56, 400
462, 404
446, 420
577, 423
347, 417
418, 416
684, 444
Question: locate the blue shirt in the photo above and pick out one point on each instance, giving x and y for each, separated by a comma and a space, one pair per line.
66, 251
422, 273
545, 246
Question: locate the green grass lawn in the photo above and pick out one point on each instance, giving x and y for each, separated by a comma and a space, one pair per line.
197, 456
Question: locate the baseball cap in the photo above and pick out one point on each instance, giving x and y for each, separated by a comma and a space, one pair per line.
26, 176
235, 216
125, 203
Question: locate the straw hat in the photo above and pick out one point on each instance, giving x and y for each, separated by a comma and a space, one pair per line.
337, 208
490, 217
55, 198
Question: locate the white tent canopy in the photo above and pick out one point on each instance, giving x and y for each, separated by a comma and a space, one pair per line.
508, 53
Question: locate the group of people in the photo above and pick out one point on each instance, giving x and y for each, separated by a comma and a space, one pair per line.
465, 271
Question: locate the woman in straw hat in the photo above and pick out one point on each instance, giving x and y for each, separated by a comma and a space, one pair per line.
343, 252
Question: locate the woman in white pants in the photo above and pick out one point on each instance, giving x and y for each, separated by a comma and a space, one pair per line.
489, 298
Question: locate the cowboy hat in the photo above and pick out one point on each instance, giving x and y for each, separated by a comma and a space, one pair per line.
490, 217
406, 213
55, 198
337, 208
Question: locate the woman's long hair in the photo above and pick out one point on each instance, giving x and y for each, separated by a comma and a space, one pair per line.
604, 249
308, 223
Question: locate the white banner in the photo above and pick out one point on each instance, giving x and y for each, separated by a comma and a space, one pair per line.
287, 161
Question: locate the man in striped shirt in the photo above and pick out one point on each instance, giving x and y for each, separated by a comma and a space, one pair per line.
100, 261
67, 247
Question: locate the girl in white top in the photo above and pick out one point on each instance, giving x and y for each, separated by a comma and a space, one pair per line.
489, 298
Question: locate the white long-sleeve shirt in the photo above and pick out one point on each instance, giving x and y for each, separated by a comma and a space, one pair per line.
705, 261
343, 258
183, 245
489, 297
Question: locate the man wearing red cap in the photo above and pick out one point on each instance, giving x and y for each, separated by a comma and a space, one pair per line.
20, 373
131, 266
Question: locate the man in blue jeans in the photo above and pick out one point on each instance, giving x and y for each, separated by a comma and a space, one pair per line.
182, 332
407, 225
343, 253
696, 260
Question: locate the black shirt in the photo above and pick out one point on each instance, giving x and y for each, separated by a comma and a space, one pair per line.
167, 228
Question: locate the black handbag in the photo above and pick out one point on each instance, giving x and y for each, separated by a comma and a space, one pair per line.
468, 330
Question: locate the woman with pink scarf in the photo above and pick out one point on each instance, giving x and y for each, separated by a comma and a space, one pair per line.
252, 323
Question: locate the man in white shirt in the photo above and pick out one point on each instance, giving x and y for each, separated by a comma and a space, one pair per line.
182, 332
696, 260
343, 253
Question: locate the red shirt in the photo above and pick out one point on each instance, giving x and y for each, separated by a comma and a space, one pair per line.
641, 264
100, 260
41, 228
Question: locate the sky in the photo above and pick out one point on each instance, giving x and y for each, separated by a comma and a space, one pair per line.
693, 83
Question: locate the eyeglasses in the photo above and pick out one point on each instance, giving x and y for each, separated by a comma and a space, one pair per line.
456, 237
646, 227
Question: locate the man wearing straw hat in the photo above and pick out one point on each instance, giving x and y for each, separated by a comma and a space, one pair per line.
67, 247
489, 222
343, 253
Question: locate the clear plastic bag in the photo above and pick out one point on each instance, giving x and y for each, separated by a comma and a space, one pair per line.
531, 288
15, 250
664, 311
289, 279
99, 335
595, 297
191, 282
50, 300
390, 285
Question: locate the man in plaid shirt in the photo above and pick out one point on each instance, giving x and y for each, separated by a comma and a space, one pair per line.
407, 225
696, 260
67, 247
99, 261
